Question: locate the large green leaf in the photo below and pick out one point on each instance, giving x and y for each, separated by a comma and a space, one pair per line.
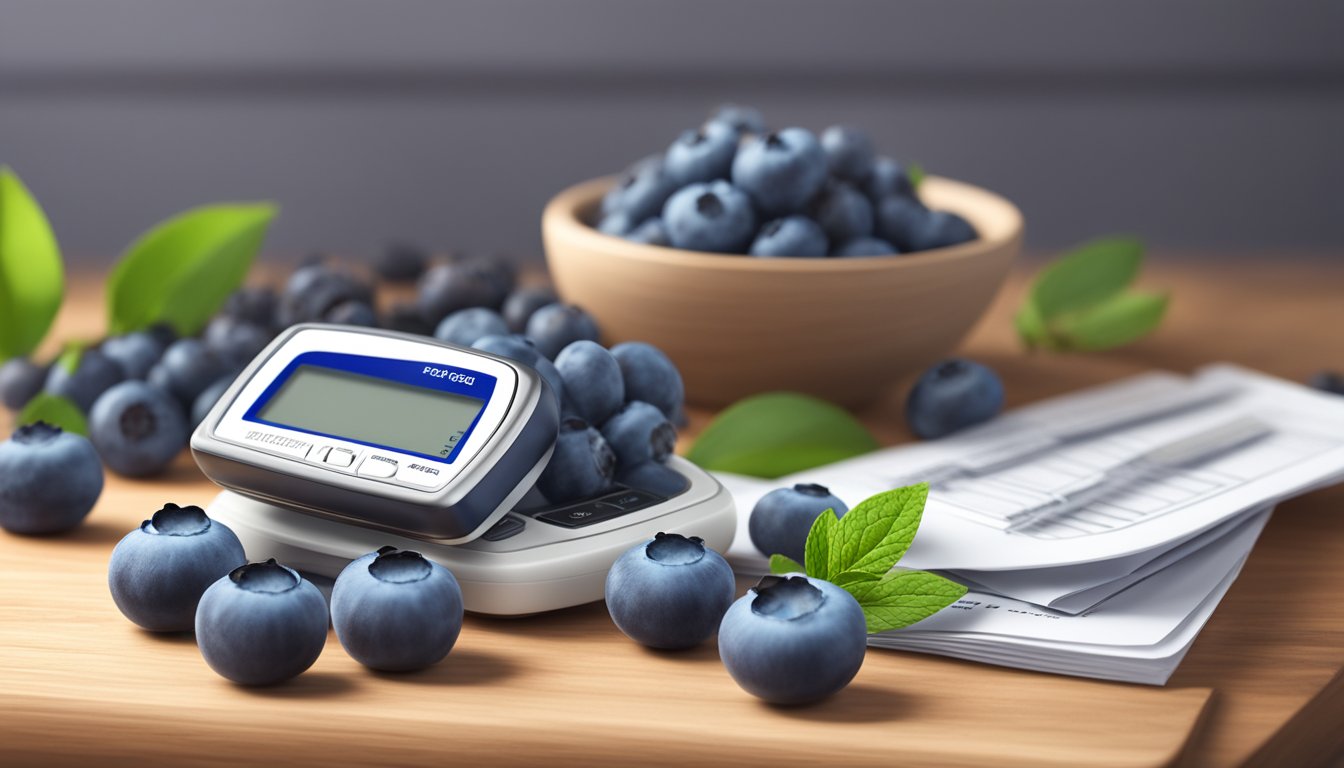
779, 433
32, 281
1113, 323
181, 271
902, 598
876, 533
1087, 276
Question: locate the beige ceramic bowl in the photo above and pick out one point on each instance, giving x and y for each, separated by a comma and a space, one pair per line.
843, 329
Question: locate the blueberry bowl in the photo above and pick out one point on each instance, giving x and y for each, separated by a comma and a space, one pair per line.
844, 329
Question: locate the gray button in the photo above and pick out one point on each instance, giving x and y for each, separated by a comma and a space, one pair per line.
341, 457
377, 465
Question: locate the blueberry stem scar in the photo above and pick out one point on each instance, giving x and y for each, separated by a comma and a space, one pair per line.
173, 520
37, 432
812, 489
265, 578
675, 549
399, 566
786, 598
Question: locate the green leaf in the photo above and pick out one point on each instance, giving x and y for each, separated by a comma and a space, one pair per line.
1116, 322
780, 565
1031, 326
181, 271
54, 410
902, 598
916, 175
71, 356
874, 535
817, 551
1087, 276
32, 281
853, 577
779, 433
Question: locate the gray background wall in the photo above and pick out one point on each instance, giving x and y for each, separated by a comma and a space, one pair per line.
1204, 126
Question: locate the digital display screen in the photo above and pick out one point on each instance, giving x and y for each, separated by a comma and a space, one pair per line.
368, 409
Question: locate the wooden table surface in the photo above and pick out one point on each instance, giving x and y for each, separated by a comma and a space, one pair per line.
1262, 685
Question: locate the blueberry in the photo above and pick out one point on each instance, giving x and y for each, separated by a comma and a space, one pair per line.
407, 318
206, 401
781, 171
137, 428
781, 520
650, 376
524, 351
135, 353
401, 263
353, 313
899, 220
942, 229
669, 592
715, 217
794, 236
465, 326
793, 640
500, 271
449, 287
582, 465
843, 213
593, 381
159, 571
651, 232
1327, 381
865, 246
742, 119
641, 191
556, 326
616, 224
523, 302
187, 368
235, 342
849, 152
94, 373
702, 154
640, 433
163, 333
887, 178
20, 381
395, 611
653, 477
257, 305
262, 624
49, 480
312, 292
953, 395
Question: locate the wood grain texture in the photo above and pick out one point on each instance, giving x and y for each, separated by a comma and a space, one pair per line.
1262, 684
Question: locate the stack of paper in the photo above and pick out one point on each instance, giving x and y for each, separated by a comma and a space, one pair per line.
1112, 579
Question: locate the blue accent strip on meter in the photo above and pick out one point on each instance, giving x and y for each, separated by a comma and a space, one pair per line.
435, 376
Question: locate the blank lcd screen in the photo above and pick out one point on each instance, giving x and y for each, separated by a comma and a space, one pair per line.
372, 410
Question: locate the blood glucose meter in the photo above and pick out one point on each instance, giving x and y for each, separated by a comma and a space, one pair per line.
338, 440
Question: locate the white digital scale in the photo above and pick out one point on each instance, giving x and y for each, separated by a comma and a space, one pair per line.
336, 441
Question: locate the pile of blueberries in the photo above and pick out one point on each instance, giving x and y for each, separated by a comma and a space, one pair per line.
263, 623
144, 392
734, 186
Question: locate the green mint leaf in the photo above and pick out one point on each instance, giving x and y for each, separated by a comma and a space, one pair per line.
32, 281
1113, 323
817, 551
54, 410
1031, 326
780, 565
902, 598
71, 357
1087, 276
181, 271
853, 577
874, 535
916, 175
779, 433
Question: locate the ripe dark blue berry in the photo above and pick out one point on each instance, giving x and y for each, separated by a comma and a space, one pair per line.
135, 353
669, 592
93, 374
593, 382
556, 326
401, 263
781, 520
20, 381
187, 368
702, 154
640, 433
522, 303
790, 237
137, 428
716, 217
49, 480
953, 395
583, 465
782, 171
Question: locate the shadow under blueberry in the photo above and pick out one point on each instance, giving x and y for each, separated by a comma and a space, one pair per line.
186, 637
705, 653
460, 668
857, 703
309, 685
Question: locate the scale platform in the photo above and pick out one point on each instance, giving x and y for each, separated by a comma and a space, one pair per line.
531, 561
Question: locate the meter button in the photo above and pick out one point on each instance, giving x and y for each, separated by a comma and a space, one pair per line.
583, 514
632, 500
378, 466
506, 527
319, 453
340, 457
423, 475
